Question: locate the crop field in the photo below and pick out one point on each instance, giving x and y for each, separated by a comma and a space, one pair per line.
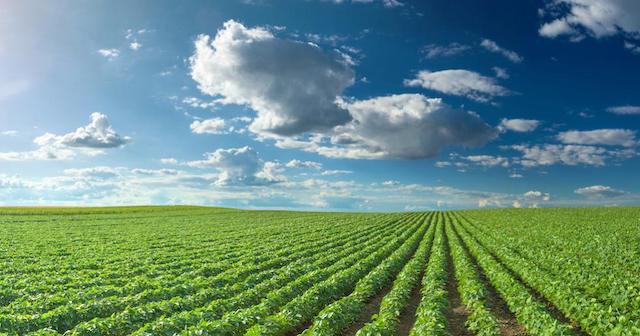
216, 271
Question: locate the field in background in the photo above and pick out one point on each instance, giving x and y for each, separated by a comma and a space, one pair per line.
216, 271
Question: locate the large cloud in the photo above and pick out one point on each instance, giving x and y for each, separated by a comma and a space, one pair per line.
459, 83
293, 86
597, 18
405, 126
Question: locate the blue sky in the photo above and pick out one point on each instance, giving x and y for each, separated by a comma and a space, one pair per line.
329, 105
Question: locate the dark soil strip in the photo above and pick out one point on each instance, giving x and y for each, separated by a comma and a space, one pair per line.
371, 308
457, 313
553, 310
508, 323
408, 318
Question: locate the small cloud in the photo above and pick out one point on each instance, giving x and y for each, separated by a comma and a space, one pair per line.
109, 54
518, 125
335, 172
459, 82
599, 191
624, 110
611, 137
209, 126
303, 164
135, 45
10, 133
501, 72
433, 50
169, 161
495, 48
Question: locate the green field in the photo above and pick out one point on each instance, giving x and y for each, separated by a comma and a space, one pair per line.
216, 271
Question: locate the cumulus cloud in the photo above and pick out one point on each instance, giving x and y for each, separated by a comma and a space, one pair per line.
596, 18
495, 48
10, 133
97, 134
90, 140
239, 166
209, 126
293, 86
518, 125
599, 191
405, 126
459, 83
624, 110
613, 137
434, 51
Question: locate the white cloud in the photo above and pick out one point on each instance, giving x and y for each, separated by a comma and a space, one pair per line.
515, 176
501, 72
335, 172
303, 164
135, 45
109, 54
551, 154
596, 18
488, 160
495, 48
169, 161
385, 3
633, 47
624, 110
239, 166
558, 27
599, 191
88, 140
293, 86
518, 125
433, 50
9, 133
406, 126
459, 83
209, 126
97, 134
199, 103
537, 195
612, 137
